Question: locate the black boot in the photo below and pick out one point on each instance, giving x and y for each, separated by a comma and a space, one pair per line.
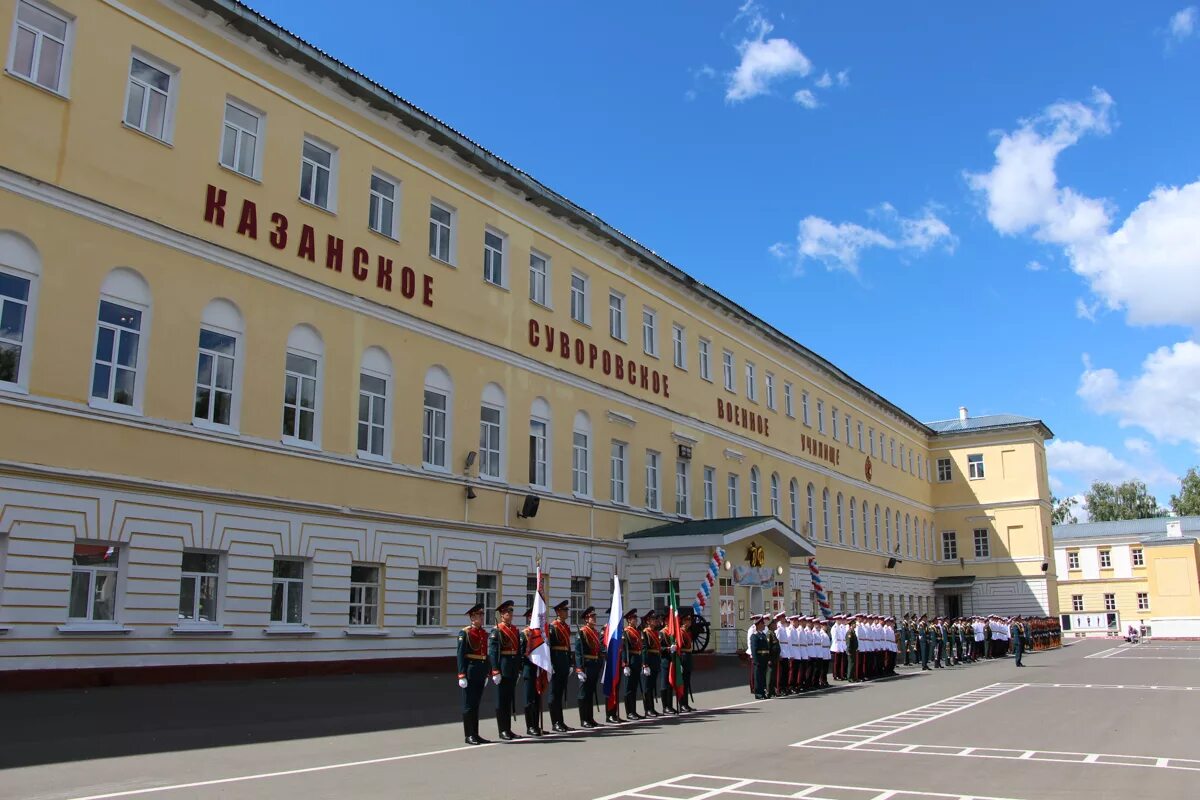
531, 721
585, 716
648, 704
468, 736
631, 707
475, 738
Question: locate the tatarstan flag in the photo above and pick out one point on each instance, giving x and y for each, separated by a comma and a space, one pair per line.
675, 668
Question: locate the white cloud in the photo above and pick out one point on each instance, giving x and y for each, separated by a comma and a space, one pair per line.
1086, 310
1035, 266
781, 250
1139, 446
924, 232
843, 78
764, 61
1183, 24
825, 81
1086, 463
806, 98
839, 245
1163, 400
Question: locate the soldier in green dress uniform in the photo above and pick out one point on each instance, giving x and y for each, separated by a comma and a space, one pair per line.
589, 660
562, 658
760, 656
652, 661
472, 672
923, 643
853, 667
772, 685
505, 656
531, 639
632, 643
685, 646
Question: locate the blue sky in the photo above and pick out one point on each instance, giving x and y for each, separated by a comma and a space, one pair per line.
994, 207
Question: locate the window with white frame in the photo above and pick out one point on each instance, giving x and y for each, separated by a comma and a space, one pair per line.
120, 355
383, 210
878, 532
94, 572
653, 459
983, 548
751, 383
616, 315
682, 488
491, 433
943, 470
910, 461
441, 232
649, 332
539, 278
1139, 557
949, 545
302, 387
539, 444
679, 346
754, 505
710, 493
1143, 600
841, 519
848, 439
1077, 602
318, 165
871, 440
727, 369
41, 46
859, 430
431, 584
435, 420
217, 365
494, 244
1105, 559
975, 466
775, 494
704, 349
617, 474
287, 592
788, 407
581, 455
892, 443
150, 97
364, 595
820, 416
660, 593
16, 296
794, 504
833, 413
825, 514
1072, 559
920, 470
579, 298
907, 533
374, 385
1110, 602
804, 417
487, 594
811, 522
853, 524
579, 598
531, 587
240, 137
731, 494
198, 583
881, 443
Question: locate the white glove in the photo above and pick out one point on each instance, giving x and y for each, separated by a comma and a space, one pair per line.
496, 679
673, 648
462, 683
646, 671
625, 672
581, 676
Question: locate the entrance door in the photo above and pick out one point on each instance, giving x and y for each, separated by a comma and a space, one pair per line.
755, 606
953, 605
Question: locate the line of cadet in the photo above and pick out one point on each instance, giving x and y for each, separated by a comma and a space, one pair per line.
502, 656
795, 654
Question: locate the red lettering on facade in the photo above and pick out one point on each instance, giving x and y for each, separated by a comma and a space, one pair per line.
593, 351
279, 235
408, 283
550, 339
383, 274
656, 383
579, 351
358, 264
666, 391
214, 206
606, 362
534, 331
620, 367
308, 243
564, 345
645, 373
427, 290
248, 222
333, 253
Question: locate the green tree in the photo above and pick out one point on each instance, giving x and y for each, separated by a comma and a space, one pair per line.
1187, 502
1128, 500
1061, 513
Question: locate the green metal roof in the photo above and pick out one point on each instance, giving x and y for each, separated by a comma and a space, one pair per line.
698, 527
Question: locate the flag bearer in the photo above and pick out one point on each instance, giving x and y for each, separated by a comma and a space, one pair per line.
632, 640
651, 660
666, 690
685, 657
472, 672
589, 659
531, 639
505, 656
562, 658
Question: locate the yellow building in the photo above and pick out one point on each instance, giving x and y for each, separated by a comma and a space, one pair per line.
294, 372
1139, 572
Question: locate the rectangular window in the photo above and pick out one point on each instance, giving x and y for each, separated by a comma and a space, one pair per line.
751, 383
14, 310
833, 413
539, 453
910, 462
769, 383
579, 598
487, 594
300, 398
317, 165
949, 545
579, 298
382, 211
430, 586
490, 442
41, 46
214, 378
804, 417
660, 594
239, 139
892, 446
881, 443
728, 606
1105, 559
920, 471
1072, 559
652, 485
975, 466
727, 369
788, 407
1110, 602
679, 346
943, 470
732, 495
649, 332
531, 588
94, 583
820, 416
1077, 602
710, 493
581, 479
198, 583
682, 493
871, 440
287, 592
1139, 558
704, 348
433, 430
441, 228
148, 99
848, 439
617, 464
372, 415
118, 340
859, 431
493, 258
539, 279
616, 315
1143, 599
982, 546
364, 595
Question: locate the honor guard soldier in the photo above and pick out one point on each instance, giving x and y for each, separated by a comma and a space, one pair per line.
775, 654
531, 639
562, 658
669, 652
923, 641
589, 658
760, 655
852, 665
651, 661
684, 646
505, 656
632, 642
472, 672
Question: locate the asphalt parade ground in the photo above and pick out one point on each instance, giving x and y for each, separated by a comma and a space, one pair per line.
1096, 719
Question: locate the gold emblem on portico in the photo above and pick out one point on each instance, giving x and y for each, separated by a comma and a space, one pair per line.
756, 555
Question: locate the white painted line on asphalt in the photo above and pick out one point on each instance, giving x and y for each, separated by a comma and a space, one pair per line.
737, 786
1131, 686
1097, 759
1155, 658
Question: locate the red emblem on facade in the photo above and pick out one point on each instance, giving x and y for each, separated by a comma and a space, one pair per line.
867, 468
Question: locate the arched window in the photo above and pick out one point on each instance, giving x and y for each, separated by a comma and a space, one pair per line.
374, 405
122, 334
492, 423
825, 513
303, 372
581, 455
878, 539
20, 272
866, 526
219, 366
907, 536
896, 547
775, 494
887, 530
539, 444
794, 497
841, 519
754, 506
812, 512
436, 428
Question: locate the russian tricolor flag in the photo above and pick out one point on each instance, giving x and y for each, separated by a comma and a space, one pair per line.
613, 633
